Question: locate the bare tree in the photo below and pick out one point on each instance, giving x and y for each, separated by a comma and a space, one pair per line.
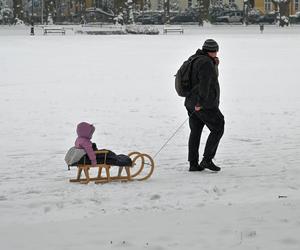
282, 6
167, 11
18, 9
203, 10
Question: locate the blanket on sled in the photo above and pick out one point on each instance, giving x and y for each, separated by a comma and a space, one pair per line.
76, 156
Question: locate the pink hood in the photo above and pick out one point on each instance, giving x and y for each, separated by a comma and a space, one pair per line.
85, 132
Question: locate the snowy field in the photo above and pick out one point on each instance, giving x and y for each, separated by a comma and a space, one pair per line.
125, 86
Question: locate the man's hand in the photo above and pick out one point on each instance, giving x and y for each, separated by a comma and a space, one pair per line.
198, 108
217, 61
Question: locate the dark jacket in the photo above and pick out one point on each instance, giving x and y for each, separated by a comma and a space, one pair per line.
205, 84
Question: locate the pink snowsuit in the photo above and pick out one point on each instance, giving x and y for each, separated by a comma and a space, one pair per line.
85, 132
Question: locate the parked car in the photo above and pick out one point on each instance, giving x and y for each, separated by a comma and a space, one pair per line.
295, 19
97, 15
268, 18
253, 16
253, 19
231, 17
149, 19
179, 19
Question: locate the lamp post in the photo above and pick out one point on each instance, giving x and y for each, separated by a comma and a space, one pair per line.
31, 10
246, 12
167, 11
42, 11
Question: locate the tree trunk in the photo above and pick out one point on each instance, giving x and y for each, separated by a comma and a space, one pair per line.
284, 10
18, 9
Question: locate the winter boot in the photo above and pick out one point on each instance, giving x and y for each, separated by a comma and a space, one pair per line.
194, 166
209, 165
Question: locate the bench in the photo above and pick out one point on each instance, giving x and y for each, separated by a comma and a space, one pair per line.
133, 172
59, 30
168, 28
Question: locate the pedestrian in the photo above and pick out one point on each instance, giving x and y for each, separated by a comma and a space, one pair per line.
261, 27
202, 105
32, 29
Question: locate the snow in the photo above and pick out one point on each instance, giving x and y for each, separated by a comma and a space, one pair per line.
125, 86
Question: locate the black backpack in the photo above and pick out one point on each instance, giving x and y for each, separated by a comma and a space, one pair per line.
183, 83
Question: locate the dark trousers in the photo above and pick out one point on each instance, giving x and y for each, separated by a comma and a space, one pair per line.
214, 120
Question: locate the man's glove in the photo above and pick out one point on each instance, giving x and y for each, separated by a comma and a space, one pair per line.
198, 107
216, 60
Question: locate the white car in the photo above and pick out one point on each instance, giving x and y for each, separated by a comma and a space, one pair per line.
231, 17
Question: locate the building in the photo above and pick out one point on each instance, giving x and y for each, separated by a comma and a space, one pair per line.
266, 6
182, 5
74, 8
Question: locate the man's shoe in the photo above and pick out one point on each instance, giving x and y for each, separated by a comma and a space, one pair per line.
195, 167
209, 165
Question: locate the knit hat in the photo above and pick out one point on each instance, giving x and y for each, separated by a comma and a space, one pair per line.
210, 45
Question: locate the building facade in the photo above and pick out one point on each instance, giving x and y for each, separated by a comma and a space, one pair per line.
182, 5
267, 6
67, 8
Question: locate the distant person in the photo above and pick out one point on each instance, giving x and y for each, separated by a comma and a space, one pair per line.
200, 22
32, 29
82, 20
261, 27
203, 107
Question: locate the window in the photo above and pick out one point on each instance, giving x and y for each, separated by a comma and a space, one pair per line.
231, 2
296, 5
268, 4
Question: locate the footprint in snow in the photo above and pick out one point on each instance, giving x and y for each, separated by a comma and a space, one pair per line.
217, 190
47, 209
122, 244
290, 241
155, 197
249, 233
3, 198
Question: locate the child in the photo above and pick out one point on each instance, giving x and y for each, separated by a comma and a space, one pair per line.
85, 132
83, 142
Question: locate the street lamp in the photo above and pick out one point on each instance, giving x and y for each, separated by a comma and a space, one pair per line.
167, 11
31, 10
42, 11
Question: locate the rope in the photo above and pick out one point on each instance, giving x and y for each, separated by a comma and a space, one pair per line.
173, 135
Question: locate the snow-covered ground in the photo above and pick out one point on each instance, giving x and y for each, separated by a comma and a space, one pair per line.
125, 86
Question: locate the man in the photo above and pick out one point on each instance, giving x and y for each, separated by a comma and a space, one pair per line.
203, 107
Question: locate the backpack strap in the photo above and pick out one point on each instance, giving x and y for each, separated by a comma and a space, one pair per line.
192, 60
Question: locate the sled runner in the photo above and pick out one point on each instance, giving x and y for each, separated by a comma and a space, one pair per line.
139, 167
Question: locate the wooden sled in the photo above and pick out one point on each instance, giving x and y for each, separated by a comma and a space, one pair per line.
137, 171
